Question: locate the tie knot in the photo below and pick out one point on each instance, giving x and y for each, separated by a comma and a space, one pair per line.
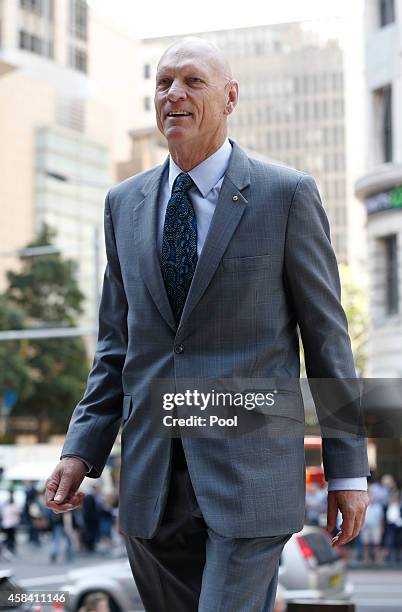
183, 182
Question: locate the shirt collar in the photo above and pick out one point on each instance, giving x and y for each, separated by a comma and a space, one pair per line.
208, 172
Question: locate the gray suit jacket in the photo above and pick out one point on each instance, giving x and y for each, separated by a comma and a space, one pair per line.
267, 267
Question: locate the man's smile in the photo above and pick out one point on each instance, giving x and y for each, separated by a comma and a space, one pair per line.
177, 115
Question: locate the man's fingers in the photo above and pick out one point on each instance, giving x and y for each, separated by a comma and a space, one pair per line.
63, 490
351, 525
352, 505
71, 503
359, 523
62, 486
52, 485
349, 529
332, 513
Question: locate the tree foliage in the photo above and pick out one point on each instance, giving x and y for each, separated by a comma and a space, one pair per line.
14, 371
354, 302
44, 293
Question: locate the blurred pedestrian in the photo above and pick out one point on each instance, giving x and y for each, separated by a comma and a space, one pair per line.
316, 504
380, 492
10, 519
105, 509
37, 518
393, 536
90, 515
371, 534
77, 527
61, 526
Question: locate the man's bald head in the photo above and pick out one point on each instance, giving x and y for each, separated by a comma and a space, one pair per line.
194, 46
194, 94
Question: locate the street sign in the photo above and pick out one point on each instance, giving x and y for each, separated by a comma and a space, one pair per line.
9, 399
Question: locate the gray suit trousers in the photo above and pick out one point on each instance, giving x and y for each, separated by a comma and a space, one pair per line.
188, 567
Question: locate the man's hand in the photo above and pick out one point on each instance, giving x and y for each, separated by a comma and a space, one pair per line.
61, 487
353, 506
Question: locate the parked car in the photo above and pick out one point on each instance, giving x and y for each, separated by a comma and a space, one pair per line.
113, 579
10, 594
310, 568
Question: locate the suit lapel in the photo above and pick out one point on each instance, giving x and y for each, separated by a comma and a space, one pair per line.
228, 212
145, 234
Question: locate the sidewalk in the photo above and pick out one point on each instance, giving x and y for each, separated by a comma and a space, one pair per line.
355, 564
30, 560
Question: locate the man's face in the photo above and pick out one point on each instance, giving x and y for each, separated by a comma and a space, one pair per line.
192, 83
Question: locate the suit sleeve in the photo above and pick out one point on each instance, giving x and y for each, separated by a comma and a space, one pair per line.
313, 285
96, 419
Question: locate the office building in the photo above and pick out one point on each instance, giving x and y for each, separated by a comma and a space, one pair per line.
66, 107
380, 188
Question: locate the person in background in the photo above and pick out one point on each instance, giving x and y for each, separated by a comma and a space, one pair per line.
371, 533
316, 504
105, 508
90, 515
393, 536
61, 526
380, 490
10, 519
31, 498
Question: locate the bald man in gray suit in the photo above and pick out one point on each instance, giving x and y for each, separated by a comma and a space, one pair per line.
214, 262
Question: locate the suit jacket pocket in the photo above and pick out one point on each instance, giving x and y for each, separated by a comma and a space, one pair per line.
282, 403
127, 404
243, 264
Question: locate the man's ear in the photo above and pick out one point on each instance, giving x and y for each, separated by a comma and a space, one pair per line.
233, 95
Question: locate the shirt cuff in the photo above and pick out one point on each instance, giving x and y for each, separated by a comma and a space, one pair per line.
89, 466
347, 484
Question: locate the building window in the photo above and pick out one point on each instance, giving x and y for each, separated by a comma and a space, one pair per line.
78, 19
391, 274
387, 12
34, 44
147, 71
147, 103
42, 8
383, 115
387, 143
23, 40
78, 59
34, 6
31, 42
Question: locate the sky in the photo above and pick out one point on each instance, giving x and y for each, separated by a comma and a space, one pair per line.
159, 18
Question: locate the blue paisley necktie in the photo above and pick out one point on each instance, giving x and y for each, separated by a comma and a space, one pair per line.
179, 245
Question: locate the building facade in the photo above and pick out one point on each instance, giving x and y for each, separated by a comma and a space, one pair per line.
66, 108
380, 188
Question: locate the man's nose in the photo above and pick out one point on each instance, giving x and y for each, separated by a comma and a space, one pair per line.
176, 91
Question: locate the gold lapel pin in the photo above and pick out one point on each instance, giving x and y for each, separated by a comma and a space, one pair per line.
235, 198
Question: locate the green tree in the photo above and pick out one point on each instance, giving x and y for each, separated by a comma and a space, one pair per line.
14, 371
46, 291
354, 302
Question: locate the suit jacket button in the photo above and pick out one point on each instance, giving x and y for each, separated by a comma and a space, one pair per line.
178, 349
